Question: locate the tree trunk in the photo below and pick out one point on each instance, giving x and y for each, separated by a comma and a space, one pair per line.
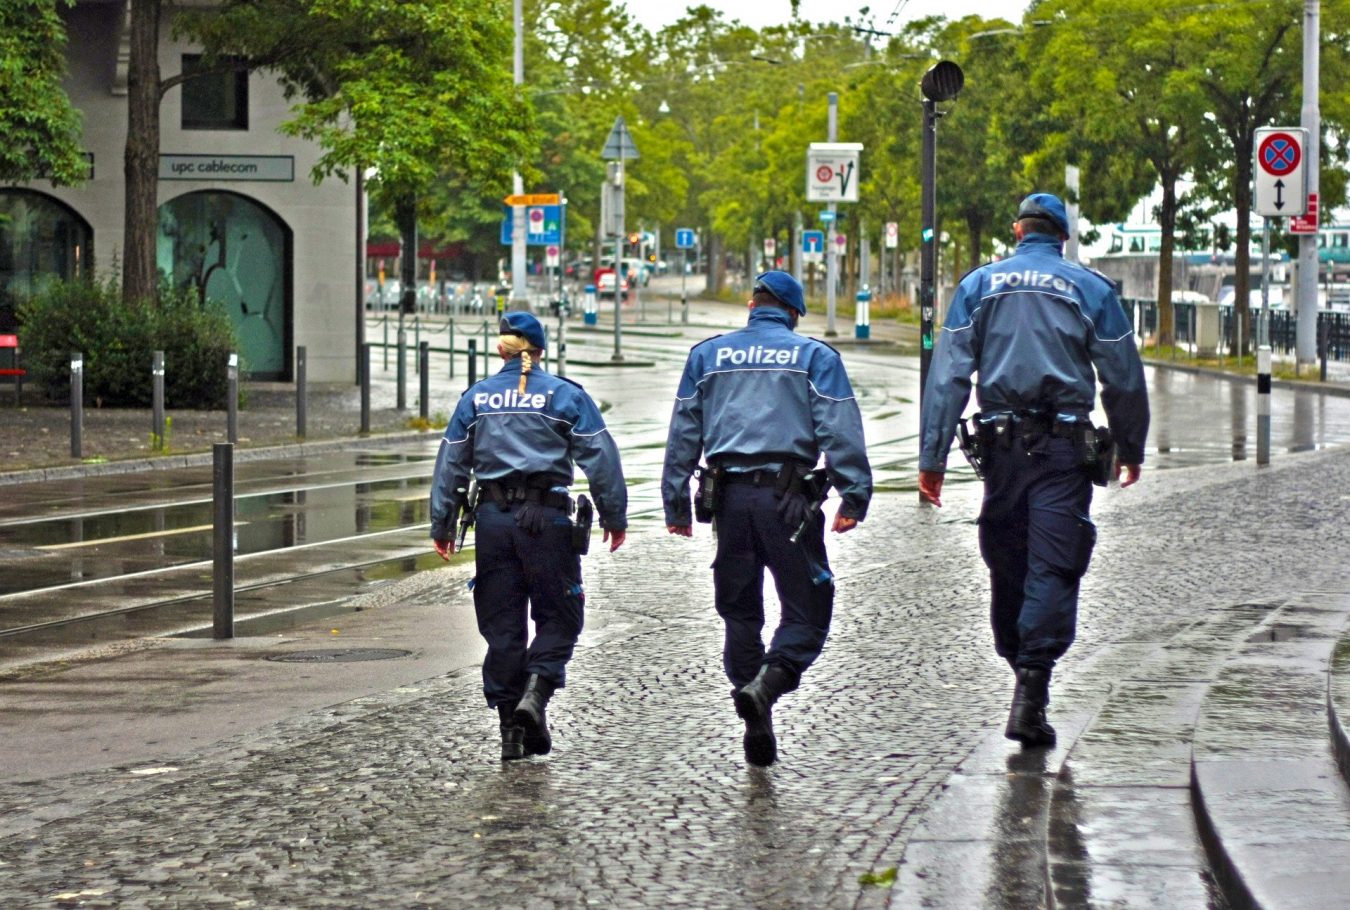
976, 240
1167, 220
139, 272
717, 269
1242, 310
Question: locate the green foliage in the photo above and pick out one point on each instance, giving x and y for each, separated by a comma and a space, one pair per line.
41, 128
883, 879
118, 339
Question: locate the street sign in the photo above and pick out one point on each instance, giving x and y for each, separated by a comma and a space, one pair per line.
1279, 177
551, 255
826, 216
840, 244
770, 247
684, 238
534, 199
813, 242
544, 225
619, 143
832, 172
1307, 223
892, 235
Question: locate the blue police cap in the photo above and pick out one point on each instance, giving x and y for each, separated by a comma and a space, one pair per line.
1047, 206
784, 288
523, 324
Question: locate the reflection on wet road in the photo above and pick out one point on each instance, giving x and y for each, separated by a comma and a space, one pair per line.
312, 527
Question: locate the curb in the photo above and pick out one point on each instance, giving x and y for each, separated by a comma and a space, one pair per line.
1340, 390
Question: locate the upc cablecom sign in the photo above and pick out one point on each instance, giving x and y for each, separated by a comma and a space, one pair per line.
266, 168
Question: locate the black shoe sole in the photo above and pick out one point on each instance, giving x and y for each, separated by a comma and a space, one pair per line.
1029, 739
537, 739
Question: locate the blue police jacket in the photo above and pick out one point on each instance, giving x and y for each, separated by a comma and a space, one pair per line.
498, 433
1034, 326
766, 394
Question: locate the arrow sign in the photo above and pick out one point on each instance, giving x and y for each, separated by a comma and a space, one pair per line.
620, 143
684, 238
1279, 194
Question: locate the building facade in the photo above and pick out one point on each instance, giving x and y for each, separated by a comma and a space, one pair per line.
239, 217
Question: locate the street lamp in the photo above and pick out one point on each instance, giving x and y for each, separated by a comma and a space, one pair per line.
942, 82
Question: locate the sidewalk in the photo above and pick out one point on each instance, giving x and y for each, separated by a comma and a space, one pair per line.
233, 781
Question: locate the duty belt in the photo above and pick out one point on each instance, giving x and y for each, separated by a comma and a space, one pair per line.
761, 478
507, 494
1010, 424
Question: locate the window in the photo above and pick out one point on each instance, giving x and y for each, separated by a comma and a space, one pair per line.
216, 100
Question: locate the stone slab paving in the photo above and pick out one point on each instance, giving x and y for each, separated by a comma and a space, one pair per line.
397, 800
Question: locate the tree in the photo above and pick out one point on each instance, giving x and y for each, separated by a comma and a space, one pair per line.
409, 89
1128, 78
41, 128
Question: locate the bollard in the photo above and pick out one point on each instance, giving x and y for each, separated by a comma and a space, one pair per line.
423, 379
157, 400
417, 335
589, 311
450, 324
862, 322
232, 397
402, 370
300, 391
562, 345
1263, 404
363, 368
222, 541
386, 344
473, 361
76, 404
487, 346
1324, 342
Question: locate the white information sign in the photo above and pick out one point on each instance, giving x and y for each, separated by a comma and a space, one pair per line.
892, 235
832, 172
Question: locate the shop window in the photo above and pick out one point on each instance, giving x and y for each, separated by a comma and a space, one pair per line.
215, 100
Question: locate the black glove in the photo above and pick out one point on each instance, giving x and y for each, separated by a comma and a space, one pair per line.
793, 509
531, 517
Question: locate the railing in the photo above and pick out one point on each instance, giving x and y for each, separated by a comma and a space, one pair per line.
1333, 328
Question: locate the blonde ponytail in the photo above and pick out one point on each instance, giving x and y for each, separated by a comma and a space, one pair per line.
514, 345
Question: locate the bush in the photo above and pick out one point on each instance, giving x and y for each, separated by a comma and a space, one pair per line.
118, 341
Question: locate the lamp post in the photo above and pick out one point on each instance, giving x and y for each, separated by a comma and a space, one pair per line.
942, 82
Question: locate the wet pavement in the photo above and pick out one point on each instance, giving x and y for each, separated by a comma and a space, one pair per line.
233, 781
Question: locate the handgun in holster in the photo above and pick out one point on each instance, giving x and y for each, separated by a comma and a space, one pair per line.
708, 495
581, 527
1097, 450
972, 446
815, 486
468, 511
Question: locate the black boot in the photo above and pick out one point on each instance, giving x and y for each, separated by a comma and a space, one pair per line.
1026, 719
530, 715
754, 703
513, 734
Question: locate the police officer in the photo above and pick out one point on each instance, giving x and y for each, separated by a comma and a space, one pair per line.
1034, 326
520, 432
763, 404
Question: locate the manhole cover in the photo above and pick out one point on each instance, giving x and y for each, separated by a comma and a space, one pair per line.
338, 655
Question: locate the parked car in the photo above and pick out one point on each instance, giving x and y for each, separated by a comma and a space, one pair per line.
604, 283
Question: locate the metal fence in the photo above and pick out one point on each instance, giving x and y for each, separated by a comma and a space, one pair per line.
1333, 328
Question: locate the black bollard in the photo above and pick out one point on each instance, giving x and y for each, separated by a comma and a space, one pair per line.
363, 369
401, 370
473, 361
222, 541
423, 378
300, 391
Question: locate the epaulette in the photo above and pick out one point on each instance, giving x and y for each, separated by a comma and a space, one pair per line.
569, 381
1110, 282
825, 344
706, 340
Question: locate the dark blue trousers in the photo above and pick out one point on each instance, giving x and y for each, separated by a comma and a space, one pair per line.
1036, 537
751, 537
518, 570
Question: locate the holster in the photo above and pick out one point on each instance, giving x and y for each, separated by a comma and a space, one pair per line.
708, 495
1097, 450
581, 527
972, 446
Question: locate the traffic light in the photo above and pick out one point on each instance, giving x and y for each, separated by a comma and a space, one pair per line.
635, 238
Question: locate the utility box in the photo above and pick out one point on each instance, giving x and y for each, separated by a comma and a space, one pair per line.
1206, 328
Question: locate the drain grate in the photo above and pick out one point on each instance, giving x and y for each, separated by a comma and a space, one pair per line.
338, 655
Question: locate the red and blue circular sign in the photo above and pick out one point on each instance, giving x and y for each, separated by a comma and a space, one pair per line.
1279, 154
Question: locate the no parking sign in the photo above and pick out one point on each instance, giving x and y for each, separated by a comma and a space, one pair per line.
1279, 176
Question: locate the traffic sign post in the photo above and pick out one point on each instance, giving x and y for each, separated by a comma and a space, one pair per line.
1279, 177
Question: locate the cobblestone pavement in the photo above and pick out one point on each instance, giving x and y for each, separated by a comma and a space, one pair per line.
398, 800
